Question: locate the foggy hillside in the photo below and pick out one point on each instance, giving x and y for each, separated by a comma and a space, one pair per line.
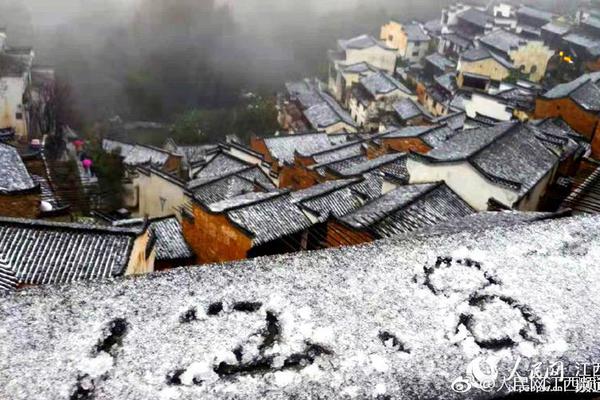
151, 59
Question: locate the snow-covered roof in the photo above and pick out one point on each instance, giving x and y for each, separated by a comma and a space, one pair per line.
408, 208
170, 243
41, 252
382, 83
584, 91
283, 148
510, 154
14, 176
400, 318
361, 42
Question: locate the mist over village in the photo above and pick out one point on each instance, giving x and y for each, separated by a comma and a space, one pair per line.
280, 199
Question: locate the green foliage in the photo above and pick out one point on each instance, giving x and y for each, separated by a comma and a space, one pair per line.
256, 117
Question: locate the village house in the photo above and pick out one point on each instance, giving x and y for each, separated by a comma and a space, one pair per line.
436, 64
15, 79
505, 15
373, 96
506, 164
192, 155
582, 44
364, 48
346, 76
299, 96
436, 96
320, 111
402, 210
250, 225
158, 193
577, 103
409, 39
409, 112
478, 103
473, 23
40, 253
481, 61
530, 21
20, 194
529, 56
420, 139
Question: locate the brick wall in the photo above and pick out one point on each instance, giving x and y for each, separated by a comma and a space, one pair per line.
341, 235
20, 206
582, 121
213, 238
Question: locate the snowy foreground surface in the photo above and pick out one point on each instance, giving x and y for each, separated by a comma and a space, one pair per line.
395, 319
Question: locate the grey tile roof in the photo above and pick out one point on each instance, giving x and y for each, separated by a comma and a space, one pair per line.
14, 176
458, 40
584, 91
589, 43
333, 166
306, 92
362, 68
447, 81
556, 28
8, 278
382, 83
372, 185
196, 154
221, 164
270, 218
415, 32
433, 26
440, 61
49, 253
47, 194
111, 146
407, 109
251, 179
327, 113
283, 147
142, 155
352, 148
482, 53
476, 17
170, 243
241, 200
509, 154
454, 120
433, 136
535, 13
366, 166
361, 42
333, 198
502, 41
408, 208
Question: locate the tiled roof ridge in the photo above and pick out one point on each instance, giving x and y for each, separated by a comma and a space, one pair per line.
41, 224
346, 182
221, 177
415, 198
274, 195
224, 153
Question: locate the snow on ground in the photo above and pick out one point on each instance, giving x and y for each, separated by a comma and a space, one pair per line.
400, 318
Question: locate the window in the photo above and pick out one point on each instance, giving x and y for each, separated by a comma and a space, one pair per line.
19, 115
415, 53
163, 201
391, 37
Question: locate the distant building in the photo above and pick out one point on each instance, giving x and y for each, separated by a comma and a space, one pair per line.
310, 108
341, 82
578, 103
373, 96
15, 80
409, 39
367, 49
481, 61
531, 57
